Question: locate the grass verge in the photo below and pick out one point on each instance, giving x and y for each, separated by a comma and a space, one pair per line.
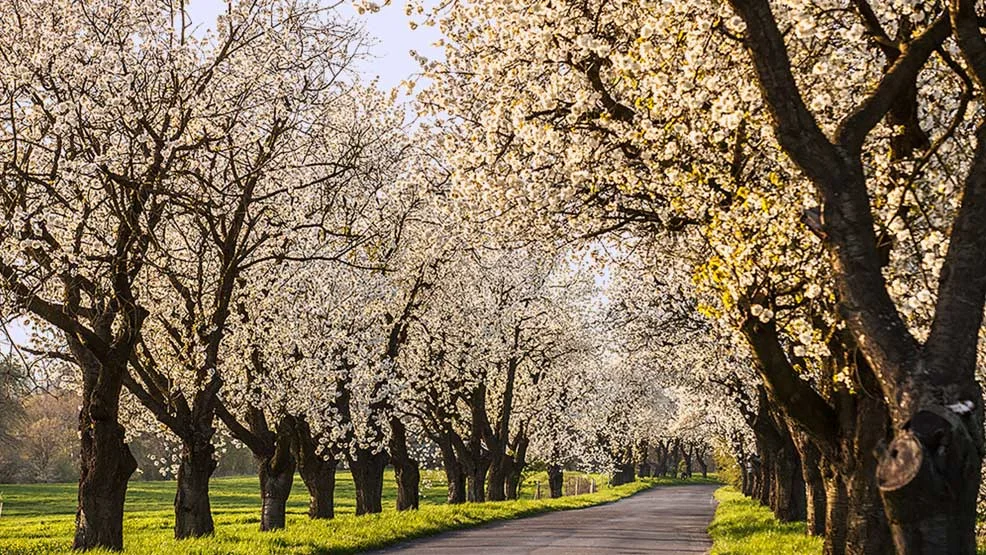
744, 527
40, 520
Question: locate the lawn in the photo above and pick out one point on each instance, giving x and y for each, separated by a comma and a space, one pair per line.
744, 527
39, 518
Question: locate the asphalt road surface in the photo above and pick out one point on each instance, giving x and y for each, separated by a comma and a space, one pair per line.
669, 519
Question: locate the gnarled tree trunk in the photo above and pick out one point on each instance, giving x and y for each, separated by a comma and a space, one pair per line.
276, 471
318, 471
193, 513
496, 480
454, 473
406, 469
367, 468
812, 470
105, 460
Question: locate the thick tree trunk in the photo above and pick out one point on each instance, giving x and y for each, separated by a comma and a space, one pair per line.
812, 467
855, 522
702, 464
556, 480
929, 480
496, 481
320, 481
454, 473
625, 471
367, 469
318, 472
193, 514
106, 464
476, 482
275, 487
765, 478
406, 469
276, 470
408, 483
105, 460
661, 466
746, 486
788, 500
513, 482
836, 515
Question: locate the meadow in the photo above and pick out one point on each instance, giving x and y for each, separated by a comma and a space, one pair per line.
39, 518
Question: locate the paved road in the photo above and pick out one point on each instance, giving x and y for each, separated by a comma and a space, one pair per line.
668, 520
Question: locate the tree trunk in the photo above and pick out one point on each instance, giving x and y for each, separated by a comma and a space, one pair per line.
661, 467
496, 481
744, 470
321, 485
406, 469
700, 459
686, 455
106, 464
929, 480
275, 487
475, 482
276, 471
812, 467
454, 473
556, 480
408, 483
318, 471
765, 478
855, 522
788, 500
193, 514
367, 469
643, 466
515, 466
105, 460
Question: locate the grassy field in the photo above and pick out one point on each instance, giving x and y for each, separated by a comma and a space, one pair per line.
40, 518
744, 527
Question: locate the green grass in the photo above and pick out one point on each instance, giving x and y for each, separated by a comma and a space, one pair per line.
744, 527
39, 518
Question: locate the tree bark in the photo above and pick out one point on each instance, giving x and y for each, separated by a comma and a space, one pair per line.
367, 468
702, 464
318, 472
106, 465
643, 466
275, 487
496, 481
516, 464
454, 473
476, 482
276, 478
812, 467
405, 468
105, 460
556, 480
788, 499
193, 513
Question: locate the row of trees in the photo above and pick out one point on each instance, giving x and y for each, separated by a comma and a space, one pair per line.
225, 235
818, 167
232, 228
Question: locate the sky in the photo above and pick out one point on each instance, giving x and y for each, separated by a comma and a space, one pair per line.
390, 61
